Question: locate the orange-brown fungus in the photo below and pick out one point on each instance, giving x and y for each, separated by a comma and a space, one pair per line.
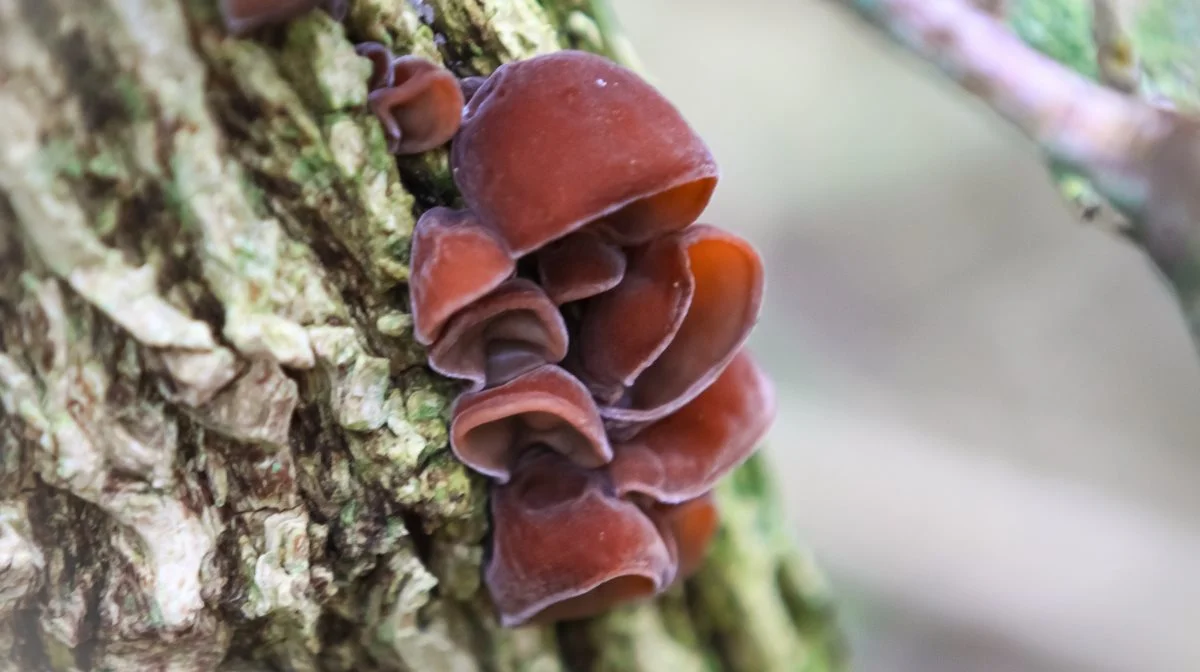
544, 407
510, 331
381, 57
421, 109
579, 266
623, 331
689, 528
559, 141
725, 304
683, 455
455, 261
599, 328
564, 548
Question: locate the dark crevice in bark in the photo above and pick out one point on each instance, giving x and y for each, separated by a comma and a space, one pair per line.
86, 65
576, 648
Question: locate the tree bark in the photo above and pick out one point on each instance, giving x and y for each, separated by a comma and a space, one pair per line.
219, 447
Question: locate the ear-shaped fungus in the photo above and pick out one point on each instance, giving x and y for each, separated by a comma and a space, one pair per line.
688, 528
603, 454
382, 75
725, 276
683, 455
545, 407
563, 548
561, 140
511, 331
624, 330
579, 266
422, 108
455, 262
243, 16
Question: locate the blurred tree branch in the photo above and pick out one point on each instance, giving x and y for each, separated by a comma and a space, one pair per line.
1108, 106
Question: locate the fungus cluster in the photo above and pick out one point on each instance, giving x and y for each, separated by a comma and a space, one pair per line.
598, 328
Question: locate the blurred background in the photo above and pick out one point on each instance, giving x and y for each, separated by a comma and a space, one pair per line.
988, 412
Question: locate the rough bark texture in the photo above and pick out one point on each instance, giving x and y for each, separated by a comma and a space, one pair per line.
219, 448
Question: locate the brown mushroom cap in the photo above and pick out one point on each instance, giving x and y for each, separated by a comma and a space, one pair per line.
726, 295
422, 109
563, 548
511, 331
683, 455
579, 266
244, 16
544, 407
382, 75
689, 528
540, 129
455, 261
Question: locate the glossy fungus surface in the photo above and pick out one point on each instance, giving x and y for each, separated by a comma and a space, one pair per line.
580, 266
455, 262
511, 331
688, 528
599, 328
727, 287
634, 166
683, 455
422, 107
564, 548
546, 407
624, 331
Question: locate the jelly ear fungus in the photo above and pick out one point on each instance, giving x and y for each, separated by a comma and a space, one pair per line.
557, 142
420, 108
599, 329
563, 547
546, 407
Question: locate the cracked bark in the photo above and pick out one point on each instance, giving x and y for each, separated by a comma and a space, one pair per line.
219, 448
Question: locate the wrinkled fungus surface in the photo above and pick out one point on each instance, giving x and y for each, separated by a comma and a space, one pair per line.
727, 278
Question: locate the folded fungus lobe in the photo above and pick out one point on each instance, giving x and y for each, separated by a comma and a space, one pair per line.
559, 141
564, 548
545, 407
420, 107
600, 330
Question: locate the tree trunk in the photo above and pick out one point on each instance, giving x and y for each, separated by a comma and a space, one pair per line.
219, 448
